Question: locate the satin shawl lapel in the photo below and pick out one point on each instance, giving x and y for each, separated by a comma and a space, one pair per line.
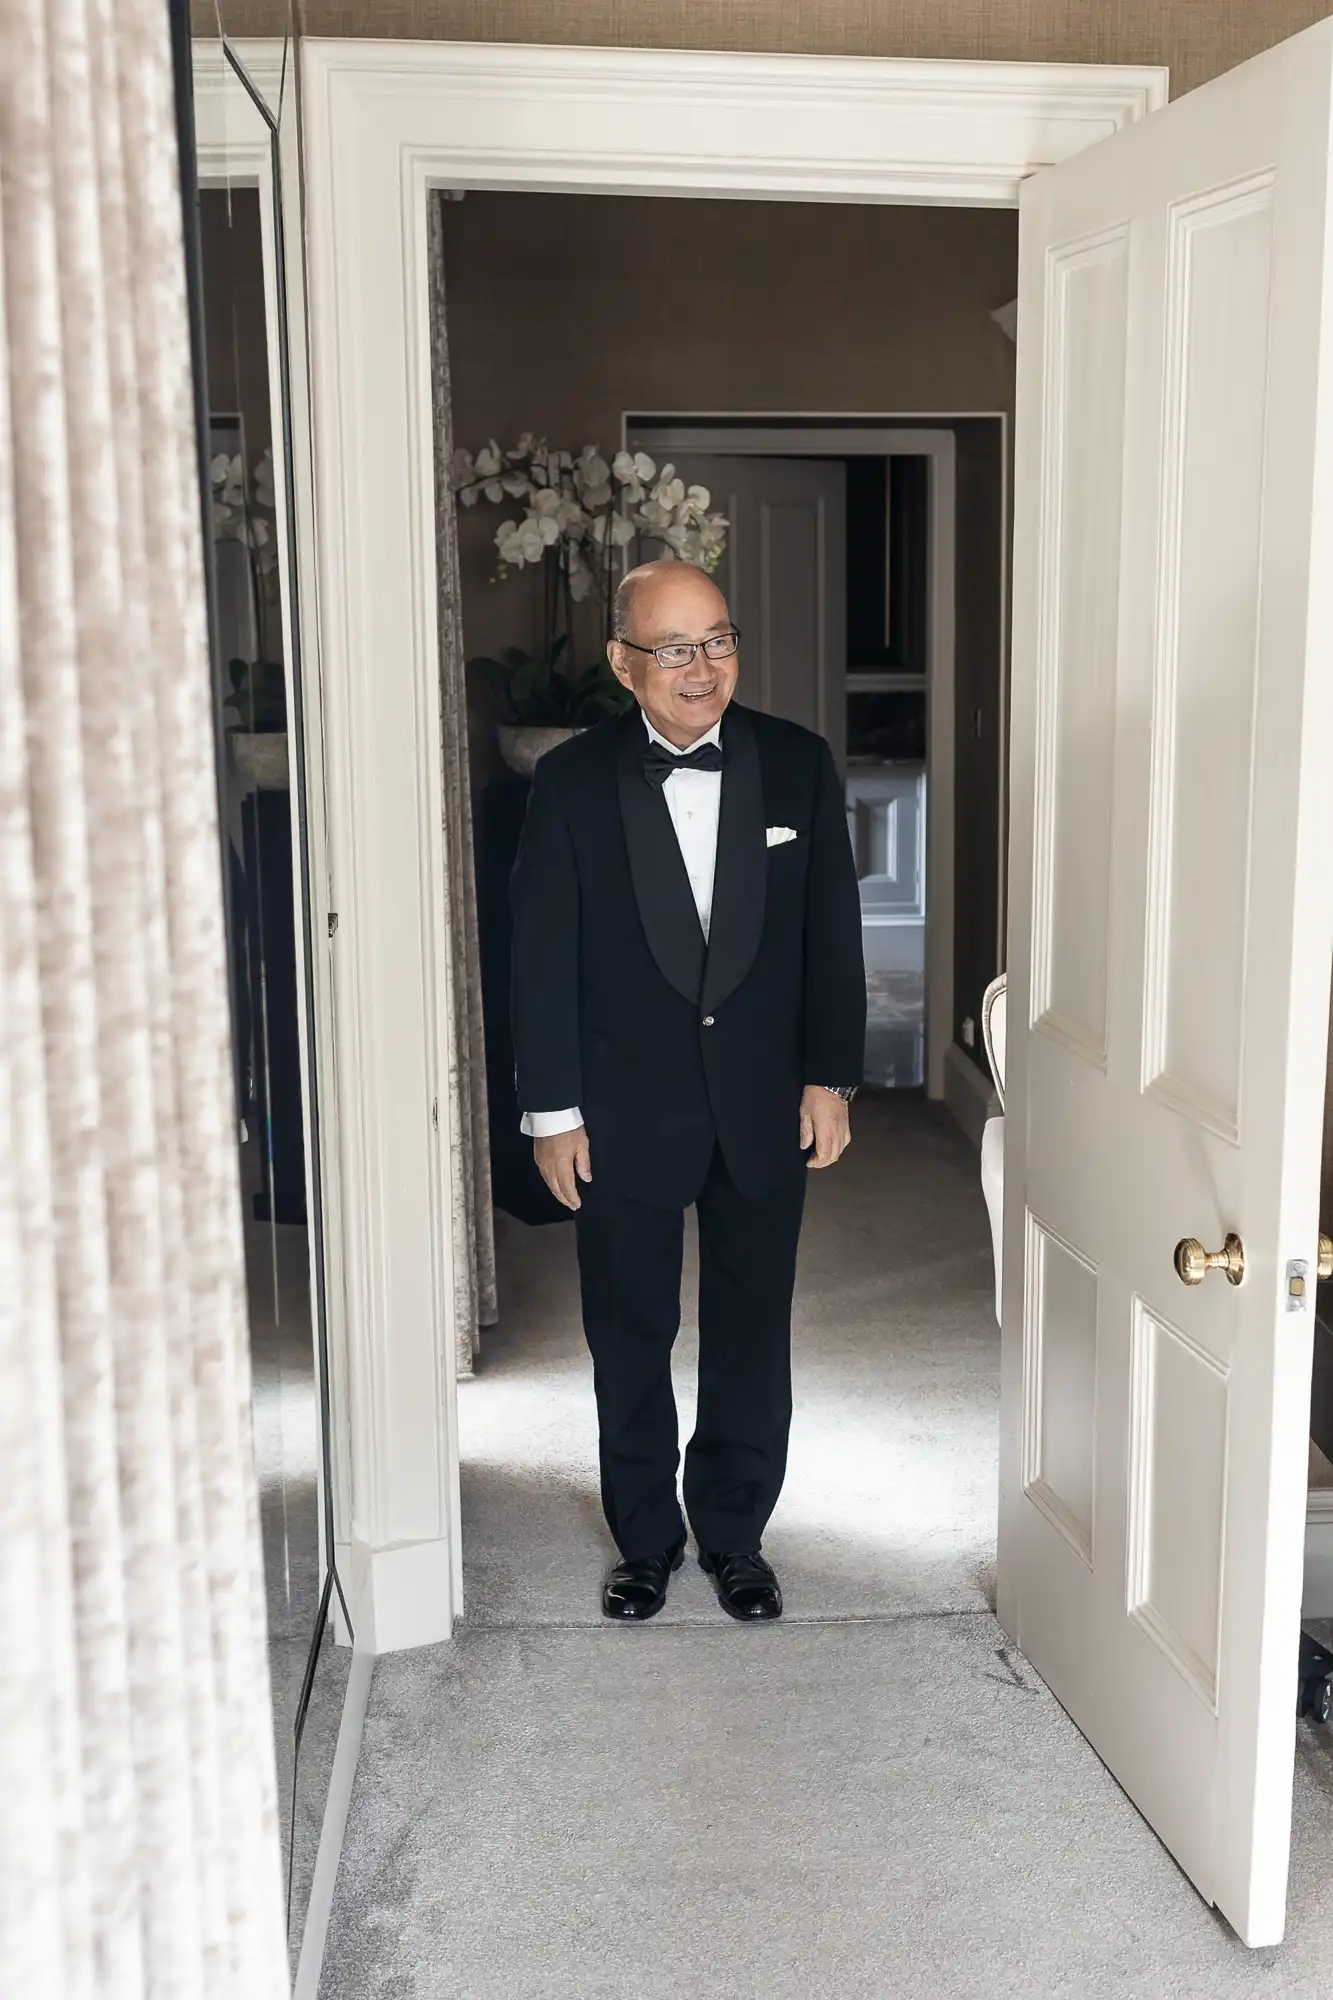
741, 879
657, 868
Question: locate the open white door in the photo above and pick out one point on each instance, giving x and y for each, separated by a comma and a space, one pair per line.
1170, 935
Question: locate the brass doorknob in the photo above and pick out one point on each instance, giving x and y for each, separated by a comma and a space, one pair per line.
1325, 1265
1193, 1262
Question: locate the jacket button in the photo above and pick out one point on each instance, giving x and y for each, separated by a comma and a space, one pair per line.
708, 1020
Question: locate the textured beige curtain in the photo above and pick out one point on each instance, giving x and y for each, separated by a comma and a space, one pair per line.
473, 1219
138, 1842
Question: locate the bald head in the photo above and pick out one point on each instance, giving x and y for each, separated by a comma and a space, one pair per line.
641, 591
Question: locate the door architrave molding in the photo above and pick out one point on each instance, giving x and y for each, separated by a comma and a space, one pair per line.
384, 125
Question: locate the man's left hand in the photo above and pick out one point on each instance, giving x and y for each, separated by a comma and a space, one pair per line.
826, 1124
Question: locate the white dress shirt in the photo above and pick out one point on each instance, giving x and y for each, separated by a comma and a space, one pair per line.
693, 799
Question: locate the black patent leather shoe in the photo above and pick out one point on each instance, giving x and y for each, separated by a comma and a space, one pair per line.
746, 1585
637, 1587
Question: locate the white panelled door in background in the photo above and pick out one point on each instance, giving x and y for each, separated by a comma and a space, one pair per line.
783, 573
1169, 948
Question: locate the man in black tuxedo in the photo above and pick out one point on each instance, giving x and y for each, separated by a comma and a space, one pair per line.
689, 1026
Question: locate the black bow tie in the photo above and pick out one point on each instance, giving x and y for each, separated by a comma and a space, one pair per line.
658, 764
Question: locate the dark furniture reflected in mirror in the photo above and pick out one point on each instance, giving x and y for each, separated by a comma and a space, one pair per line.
233, 188
888, 645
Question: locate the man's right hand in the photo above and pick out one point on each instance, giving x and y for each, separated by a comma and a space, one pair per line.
563, 1161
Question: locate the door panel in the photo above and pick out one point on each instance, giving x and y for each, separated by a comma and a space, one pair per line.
1218, 280
1060, 1446
1084, 420
1170, 937
886, 821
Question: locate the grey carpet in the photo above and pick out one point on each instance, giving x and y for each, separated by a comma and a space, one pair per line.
895, 1029
874, 1798
871, 1809
286, 1445
889, 1504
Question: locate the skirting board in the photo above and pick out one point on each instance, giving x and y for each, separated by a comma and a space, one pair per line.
968, 1097
396, 1597
314, 1936
1317, 1596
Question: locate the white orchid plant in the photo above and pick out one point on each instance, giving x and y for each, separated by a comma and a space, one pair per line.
244, 510
580, 517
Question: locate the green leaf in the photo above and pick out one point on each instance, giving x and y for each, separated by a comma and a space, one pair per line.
596, 694
533, 690
496, 680
525, 682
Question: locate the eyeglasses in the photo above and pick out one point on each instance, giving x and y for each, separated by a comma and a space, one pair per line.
720, 646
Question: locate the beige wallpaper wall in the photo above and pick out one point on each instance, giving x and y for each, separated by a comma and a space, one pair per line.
1195, 38
565, 310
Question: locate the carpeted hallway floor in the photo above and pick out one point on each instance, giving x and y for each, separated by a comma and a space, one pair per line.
873, 1798
889, 1503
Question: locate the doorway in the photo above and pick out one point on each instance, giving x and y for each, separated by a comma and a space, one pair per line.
857, 620
385, 128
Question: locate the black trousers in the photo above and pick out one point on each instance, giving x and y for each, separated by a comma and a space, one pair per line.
630, 1256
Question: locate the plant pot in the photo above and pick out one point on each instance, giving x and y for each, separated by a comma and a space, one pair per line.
260, 757
522, 744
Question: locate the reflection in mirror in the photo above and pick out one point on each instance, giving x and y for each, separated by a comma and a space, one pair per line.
241, 94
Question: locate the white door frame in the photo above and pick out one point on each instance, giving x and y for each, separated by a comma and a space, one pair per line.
875, 437
385, 123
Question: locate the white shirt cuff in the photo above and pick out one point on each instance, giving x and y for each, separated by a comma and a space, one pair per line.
545, 1124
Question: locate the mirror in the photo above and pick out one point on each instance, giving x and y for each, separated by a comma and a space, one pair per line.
247, 278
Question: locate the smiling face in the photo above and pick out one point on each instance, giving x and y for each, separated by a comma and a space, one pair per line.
673, 604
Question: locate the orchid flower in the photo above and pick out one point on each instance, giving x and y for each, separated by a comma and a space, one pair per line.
583, 507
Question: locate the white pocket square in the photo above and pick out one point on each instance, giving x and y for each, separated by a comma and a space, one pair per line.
775, 835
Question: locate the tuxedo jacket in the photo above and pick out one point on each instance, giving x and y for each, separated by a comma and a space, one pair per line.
671, 1046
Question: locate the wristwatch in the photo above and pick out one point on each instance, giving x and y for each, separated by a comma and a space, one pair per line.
846, 1091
